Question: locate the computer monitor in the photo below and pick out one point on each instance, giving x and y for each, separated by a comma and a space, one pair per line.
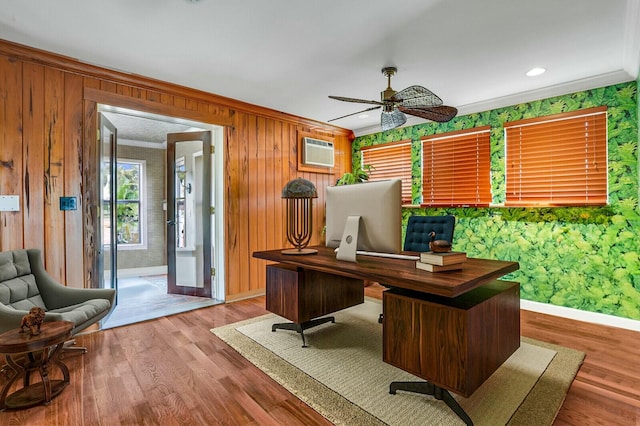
364, 216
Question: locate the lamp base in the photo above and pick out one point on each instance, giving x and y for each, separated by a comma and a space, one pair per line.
301, 251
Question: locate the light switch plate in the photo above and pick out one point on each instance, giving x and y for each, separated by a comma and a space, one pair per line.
68, 203
9, 203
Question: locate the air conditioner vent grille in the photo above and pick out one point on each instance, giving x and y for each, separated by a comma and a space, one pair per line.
318, 153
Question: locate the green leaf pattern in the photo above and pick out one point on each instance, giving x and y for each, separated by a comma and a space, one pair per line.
579, 257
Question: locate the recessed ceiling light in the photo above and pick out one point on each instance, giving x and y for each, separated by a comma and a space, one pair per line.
363, 116
535, 72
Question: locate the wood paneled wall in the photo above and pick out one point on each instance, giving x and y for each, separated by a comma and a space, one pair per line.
49, 149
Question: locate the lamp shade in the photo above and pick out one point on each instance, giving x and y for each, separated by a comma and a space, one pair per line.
299, 188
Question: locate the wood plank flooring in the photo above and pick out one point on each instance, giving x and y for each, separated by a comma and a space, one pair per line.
174, 371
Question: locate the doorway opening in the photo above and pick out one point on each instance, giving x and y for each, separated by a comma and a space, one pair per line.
161, 184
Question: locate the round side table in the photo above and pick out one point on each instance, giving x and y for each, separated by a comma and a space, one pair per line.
25, 354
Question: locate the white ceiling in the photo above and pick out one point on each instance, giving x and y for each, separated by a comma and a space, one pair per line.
290, 55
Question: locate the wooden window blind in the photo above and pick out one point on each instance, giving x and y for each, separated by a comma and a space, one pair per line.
557, 160
456, 169
390, 161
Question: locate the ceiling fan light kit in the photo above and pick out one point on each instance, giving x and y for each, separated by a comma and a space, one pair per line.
414, 100
391, 120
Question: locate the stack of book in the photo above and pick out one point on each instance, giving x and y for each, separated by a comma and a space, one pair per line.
436, 262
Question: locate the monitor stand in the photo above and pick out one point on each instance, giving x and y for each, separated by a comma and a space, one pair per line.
349, 241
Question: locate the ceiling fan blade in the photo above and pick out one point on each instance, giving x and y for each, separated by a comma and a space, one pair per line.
359, 101
416, 97
359, 112
441, 113
393, 119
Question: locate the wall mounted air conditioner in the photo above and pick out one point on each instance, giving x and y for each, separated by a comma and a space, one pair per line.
317, 152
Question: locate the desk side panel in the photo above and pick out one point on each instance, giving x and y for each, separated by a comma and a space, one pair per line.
456, 343
494, 330
301, 295
325, 293
426, 339
283, 291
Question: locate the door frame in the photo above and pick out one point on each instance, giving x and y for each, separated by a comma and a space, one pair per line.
105, 101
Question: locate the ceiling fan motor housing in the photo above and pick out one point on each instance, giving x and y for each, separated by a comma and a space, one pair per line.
388, 93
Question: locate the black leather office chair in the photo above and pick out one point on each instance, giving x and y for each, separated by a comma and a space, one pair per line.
419, 230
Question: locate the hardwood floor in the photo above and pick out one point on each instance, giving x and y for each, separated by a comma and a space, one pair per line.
174, 371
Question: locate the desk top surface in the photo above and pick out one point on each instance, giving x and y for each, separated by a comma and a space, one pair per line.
398, 272
51, 333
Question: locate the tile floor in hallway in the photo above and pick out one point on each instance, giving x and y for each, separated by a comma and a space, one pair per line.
143, 298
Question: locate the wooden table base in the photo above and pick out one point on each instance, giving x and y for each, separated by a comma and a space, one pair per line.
36, 393
26, 355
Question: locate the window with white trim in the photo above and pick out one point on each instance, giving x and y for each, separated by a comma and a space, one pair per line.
456, 169
129, 205
390, 161
557, 160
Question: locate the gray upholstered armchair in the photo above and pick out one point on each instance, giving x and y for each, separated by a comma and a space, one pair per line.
24, 283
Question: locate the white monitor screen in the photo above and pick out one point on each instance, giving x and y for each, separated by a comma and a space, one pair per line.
379, 205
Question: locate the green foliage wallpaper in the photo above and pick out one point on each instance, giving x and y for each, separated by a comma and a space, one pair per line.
582, 258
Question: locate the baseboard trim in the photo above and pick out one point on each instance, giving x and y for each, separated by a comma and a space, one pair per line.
245, 295
579, 315
141, 272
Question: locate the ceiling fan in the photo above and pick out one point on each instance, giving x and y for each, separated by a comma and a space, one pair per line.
414, 100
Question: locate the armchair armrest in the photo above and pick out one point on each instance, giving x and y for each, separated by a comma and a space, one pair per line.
56, 295
10, 318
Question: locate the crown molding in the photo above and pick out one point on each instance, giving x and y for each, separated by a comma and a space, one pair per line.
221, 117
631, 53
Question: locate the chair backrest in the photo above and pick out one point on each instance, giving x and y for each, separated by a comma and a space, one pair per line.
18, 287
419, 228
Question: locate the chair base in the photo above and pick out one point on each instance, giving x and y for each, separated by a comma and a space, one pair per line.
428, 388
70, 346
300, 328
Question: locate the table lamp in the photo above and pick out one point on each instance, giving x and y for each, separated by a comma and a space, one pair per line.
299, 194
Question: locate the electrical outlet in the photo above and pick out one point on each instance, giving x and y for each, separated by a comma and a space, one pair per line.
9, 203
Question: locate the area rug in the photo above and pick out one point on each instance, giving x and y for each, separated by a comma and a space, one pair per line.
342, 376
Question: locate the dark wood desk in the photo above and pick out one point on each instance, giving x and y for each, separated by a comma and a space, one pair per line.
468, 319
398, 273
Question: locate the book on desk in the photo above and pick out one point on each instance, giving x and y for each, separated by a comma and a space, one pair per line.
437, 262
438, 268
442, 259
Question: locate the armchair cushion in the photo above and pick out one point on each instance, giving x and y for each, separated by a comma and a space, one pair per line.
81, 313
21, 293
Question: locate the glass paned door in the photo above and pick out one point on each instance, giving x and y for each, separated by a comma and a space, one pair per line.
107, 257
189, 212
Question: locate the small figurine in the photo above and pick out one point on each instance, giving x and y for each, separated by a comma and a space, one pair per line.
439, 246
33, 320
